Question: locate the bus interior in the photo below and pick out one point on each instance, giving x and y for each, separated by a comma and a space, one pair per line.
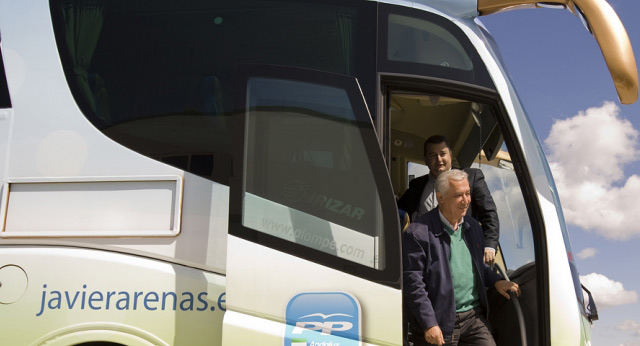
476, 140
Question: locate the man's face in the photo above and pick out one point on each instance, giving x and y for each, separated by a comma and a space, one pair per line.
455, 202
437, 158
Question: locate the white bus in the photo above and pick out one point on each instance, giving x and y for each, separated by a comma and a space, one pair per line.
225, 172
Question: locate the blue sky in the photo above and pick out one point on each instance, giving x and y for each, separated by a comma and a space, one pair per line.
593, 145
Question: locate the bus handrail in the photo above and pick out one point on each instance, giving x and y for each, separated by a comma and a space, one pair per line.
516, 305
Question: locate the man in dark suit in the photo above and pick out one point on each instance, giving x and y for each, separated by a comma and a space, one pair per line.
443, 271
421, 196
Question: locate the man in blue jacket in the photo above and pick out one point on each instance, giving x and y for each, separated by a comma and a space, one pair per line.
444, 272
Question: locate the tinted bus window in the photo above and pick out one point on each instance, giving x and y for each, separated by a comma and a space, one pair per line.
157, 76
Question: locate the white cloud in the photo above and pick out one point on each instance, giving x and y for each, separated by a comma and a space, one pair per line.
630, 325
606, 292
586, 253
587, 154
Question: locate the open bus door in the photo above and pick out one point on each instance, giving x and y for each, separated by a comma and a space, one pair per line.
313, 251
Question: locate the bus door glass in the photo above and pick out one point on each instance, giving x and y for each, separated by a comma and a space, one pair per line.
313, 178
311, 187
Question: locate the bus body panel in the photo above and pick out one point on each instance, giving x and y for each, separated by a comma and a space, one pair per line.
48, 137
251, 265
565, 315
71, 291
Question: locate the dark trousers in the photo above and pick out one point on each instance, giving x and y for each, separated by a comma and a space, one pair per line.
471, 329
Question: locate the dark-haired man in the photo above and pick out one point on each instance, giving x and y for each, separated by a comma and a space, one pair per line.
421, 195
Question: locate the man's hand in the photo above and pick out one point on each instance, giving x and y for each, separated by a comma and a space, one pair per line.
434, 336
504, 286
489, 256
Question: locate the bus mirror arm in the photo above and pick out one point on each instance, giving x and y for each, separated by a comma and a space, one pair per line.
614, 43
605, 25
516, 305
592, 311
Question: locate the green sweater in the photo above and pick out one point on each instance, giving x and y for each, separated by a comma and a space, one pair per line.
462, 272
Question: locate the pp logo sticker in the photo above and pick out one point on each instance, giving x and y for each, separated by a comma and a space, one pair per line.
323, 319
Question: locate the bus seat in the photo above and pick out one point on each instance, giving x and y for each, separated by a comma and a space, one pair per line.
404, 219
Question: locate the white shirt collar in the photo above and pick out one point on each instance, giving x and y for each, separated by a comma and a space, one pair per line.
447, 223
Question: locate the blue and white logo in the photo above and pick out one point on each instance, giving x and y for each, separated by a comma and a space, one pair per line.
323, 319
